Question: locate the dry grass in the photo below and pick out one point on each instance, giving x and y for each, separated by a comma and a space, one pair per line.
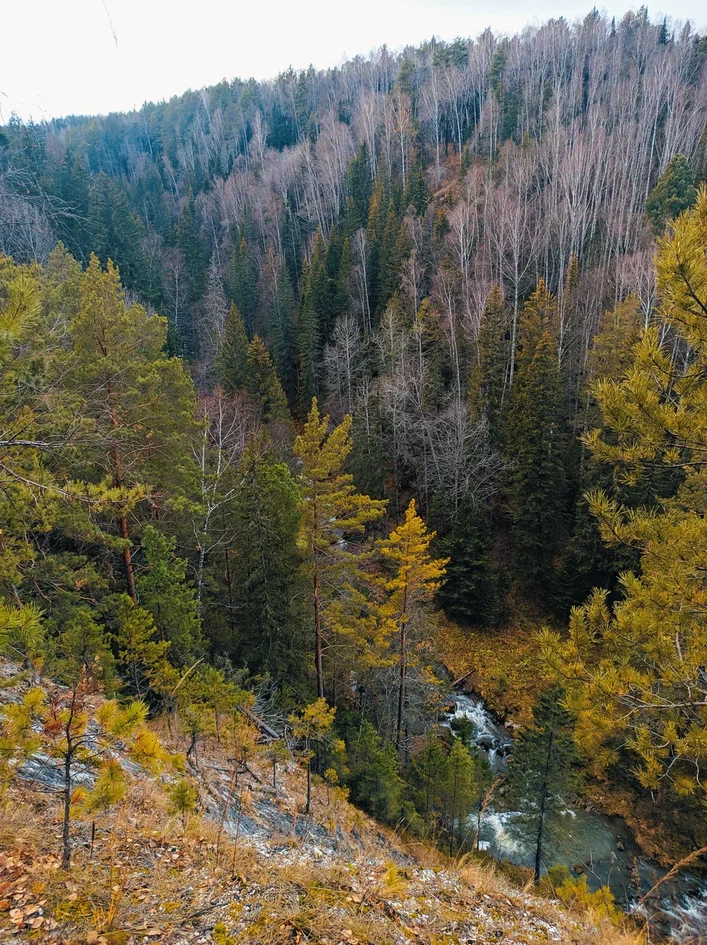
148, 878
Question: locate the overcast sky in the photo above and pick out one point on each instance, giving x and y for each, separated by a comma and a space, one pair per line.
95, 56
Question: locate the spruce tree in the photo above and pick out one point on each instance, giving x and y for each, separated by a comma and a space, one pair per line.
544, 770
115, 232
262, 383
674, 192
358, 181
472, 590
374, 774
308, 344
242, 283
267, 583
490, 370
282, 330
164, 591
536, 438
233, 357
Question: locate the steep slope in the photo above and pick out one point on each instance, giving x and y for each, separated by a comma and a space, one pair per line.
248, 867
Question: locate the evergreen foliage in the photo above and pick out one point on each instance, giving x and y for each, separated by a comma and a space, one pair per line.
544, 769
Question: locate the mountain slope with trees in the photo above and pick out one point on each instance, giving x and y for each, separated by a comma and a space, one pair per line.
293, 374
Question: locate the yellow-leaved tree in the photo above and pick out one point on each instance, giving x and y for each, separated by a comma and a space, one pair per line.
333, 512
635, 673
414, 577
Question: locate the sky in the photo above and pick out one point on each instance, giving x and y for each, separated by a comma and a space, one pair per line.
96, 56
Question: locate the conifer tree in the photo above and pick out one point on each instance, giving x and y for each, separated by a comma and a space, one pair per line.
674, 192
536, 440
331, 509
308, 343
415, 578
242, 283
263, 384
635, 672
114, 231
457, 791
234, 352
490, 370
417, 193
163, 590
267, 583
312, 726
471, 592
195, 255
423, 774
358, 180
544, 769
374, 774
282, 330
374, 242
115, 365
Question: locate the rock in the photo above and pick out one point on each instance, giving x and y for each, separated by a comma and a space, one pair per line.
620, 846
578, 868
485, 742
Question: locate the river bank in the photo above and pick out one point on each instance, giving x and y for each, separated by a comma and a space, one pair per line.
587, 841
501, 666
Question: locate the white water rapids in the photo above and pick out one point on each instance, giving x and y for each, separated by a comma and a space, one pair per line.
603, 847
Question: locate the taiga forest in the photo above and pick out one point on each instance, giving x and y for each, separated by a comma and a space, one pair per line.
353, 497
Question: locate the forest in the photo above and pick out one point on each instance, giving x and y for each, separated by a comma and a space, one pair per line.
302, 379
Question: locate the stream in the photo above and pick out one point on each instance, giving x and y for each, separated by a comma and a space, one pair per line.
601, 847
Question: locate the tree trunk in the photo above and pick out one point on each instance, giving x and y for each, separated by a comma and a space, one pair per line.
403, 673
127, 556
539, 841
318, 634
118, 482
65, 828
309, 787
541, 821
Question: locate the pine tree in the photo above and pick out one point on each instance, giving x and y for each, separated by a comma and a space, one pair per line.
312, 726
415, 578
544, 769
635, 672
115, 365
537, 448
332, 508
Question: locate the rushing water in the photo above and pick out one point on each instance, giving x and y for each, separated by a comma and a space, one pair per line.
601, 847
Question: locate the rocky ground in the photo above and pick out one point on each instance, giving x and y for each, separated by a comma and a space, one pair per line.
249, 867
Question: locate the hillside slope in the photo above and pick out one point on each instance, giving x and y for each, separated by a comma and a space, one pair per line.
247, 867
